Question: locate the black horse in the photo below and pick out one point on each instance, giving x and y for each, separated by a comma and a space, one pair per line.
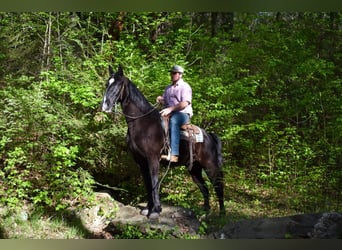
145, 138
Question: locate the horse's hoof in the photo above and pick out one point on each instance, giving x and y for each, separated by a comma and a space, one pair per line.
144, 212
153, 215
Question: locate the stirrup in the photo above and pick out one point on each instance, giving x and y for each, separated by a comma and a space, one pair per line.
166, 157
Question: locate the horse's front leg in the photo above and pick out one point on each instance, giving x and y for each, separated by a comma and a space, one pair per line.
148, 185
154, 172
150, 173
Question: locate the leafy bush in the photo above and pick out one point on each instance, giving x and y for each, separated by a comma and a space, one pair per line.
39, 148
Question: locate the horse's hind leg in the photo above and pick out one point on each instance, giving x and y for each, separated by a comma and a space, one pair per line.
219, 187
196, 174
216, 178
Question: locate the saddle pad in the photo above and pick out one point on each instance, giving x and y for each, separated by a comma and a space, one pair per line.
195, 133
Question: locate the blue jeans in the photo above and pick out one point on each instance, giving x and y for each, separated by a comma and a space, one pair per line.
176, 121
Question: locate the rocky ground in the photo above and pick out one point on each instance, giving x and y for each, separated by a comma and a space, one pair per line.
302, 226
106, 219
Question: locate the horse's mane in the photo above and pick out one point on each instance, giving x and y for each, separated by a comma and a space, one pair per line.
137, 97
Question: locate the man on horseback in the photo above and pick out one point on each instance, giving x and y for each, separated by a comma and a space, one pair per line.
176, 99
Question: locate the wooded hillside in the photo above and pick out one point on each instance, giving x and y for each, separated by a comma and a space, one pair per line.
269, 84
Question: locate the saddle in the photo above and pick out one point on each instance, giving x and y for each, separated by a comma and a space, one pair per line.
189, 132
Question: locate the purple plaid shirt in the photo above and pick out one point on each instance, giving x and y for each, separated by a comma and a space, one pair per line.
177, 93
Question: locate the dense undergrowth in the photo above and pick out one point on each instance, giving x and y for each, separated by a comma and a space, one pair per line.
267, 83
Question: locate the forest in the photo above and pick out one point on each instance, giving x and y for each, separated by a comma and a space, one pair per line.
267, 83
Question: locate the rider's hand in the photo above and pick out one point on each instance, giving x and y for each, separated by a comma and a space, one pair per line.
160, 100
166, 111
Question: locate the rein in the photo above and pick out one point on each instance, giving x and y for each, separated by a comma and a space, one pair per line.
135, 117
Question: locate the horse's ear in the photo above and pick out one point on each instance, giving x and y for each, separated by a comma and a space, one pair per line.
120, 70
111, 71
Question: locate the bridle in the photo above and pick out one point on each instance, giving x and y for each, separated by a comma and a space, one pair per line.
116, 111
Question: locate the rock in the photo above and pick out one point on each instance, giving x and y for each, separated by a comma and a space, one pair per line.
23, 215
96, 218
175, 220
108, 217
327, 225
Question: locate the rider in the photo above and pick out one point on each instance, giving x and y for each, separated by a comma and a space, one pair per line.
177, 98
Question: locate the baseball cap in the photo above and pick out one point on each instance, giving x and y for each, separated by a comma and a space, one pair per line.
177, 68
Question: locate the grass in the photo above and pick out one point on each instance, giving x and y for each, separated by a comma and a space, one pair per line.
38, 226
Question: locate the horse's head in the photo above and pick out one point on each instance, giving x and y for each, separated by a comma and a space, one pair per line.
114, 89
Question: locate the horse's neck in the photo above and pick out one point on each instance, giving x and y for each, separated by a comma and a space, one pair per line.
131, 109
134, 102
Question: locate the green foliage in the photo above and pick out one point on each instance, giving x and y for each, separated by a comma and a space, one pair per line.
133, 232
177, 188
127, 231
40, 151
267, 83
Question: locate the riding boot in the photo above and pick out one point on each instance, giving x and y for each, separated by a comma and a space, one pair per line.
171, 158
174, 158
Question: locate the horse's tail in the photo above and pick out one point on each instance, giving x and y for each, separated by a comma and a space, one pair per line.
218, 144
